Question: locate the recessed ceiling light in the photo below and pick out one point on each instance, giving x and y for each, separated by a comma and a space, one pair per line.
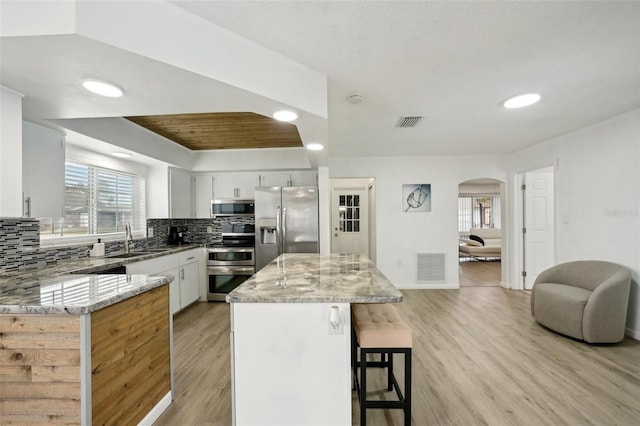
102, 88
522, 100
284, 115
315, 147
121, 154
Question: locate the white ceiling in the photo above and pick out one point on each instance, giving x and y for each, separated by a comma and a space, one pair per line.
453, 62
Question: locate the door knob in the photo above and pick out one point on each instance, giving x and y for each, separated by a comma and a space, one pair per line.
336, 234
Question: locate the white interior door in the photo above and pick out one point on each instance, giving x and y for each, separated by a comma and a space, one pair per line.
539, 249
349, 221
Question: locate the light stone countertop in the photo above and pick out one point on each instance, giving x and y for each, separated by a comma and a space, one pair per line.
76, 286
317, 278
75, 294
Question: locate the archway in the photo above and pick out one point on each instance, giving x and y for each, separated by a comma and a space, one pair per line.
481, 221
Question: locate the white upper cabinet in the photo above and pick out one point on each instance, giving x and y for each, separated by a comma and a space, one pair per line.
235, 185
268, 179
293, 178
203, 195
180, 189
43, 159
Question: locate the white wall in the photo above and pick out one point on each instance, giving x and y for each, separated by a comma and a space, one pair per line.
402, 235
324, 209
158, 191
598, 192
250, 159
10, 153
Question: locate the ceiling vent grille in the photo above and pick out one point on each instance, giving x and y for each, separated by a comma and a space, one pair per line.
411, 121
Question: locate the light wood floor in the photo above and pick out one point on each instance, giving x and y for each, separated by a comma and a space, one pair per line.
479, 273
479, 359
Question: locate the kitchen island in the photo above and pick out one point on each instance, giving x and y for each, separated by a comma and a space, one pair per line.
290, 337
83, 349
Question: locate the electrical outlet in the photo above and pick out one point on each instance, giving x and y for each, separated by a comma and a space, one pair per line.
209, 230
150, 232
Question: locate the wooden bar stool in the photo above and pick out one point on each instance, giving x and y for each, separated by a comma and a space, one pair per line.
377, 329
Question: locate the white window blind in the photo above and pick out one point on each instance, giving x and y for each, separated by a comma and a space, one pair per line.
478, 211
101, 201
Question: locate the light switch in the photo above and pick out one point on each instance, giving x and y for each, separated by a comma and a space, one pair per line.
150, 232
209, 230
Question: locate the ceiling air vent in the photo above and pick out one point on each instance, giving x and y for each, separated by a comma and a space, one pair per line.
411, 121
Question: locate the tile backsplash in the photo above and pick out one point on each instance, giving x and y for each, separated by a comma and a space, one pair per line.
20, 240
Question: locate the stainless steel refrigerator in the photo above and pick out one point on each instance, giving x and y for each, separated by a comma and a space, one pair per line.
286, 222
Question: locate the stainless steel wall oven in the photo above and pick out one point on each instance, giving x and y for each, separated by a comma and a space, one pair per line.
230, 263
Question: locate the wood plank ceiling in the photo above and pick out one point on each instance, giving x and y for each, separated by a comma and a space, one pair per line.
222, 130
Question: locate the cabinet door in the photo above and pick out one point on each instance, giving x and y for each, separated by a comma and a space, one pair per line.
180, 194
174, 290
203, 195
189, 284
224, 186
235, 185
158, 266
275, 179
246, 185
42, 171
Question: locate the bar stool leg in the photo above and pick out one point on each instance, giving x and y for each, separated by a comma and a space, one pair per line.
363, 387
390, 371
407, 387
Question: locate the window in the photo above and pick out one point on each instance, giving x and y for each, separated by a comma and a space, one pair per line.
349, 213
478, 211
97, 201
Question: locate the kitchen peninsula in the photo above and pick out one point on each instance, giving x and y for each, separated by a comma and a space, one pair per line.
83, 349
290, 337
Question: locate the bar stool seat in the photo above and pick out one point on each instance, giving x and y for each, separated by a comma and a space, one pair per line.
378, 329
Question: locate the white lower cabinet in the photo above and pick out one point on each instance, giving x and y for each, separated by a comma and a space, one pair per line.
189, 282
184, 266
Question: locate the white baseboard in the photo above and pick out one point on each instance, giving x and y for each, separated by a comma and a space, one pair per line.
156, 411
634, 334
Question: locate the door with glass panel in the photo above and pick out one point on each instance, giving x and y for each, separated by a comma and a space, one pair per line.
349, 222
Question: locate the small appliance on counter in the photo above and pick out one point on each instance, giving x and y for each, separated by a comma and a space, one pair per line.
176, 235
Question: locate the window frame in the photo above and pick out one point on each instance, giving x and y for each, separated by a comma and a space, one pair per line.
139, 207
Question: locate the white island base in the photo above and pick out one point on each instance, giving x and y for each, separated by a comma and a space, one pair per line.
288, 369
290, 365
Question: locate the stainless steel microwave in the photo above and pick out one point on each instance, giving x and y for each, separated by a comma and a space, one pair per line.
232, 207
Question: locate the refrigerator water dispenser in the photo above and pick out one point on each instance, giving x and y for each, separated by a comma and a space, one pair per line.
267, 231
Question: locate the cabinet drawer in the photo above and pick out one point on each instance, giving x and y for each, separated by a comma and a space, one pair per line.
189, 256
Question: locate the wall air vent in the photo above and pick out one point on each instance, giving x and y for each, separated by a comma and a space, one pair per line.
411, 121
430, 267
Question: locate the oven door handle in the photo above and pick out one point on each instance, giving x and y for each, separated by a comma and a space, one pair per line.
230, 250
235, 270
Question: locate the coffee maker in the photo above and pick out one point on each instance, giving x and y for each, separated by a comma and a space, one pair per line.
175, 236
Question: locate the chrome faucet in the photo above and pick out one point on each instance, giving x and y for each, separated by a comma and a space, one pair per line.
128, 238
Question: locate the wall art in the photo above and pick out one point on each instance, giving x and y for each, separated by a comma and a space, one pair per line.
416, 197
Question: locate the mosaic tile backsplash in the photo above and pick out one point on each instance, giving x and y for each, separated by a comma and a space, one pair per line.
20, 240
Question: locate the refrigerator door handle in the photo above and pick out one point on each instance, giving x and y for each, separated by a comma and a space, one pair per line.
278, 231
284, 229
